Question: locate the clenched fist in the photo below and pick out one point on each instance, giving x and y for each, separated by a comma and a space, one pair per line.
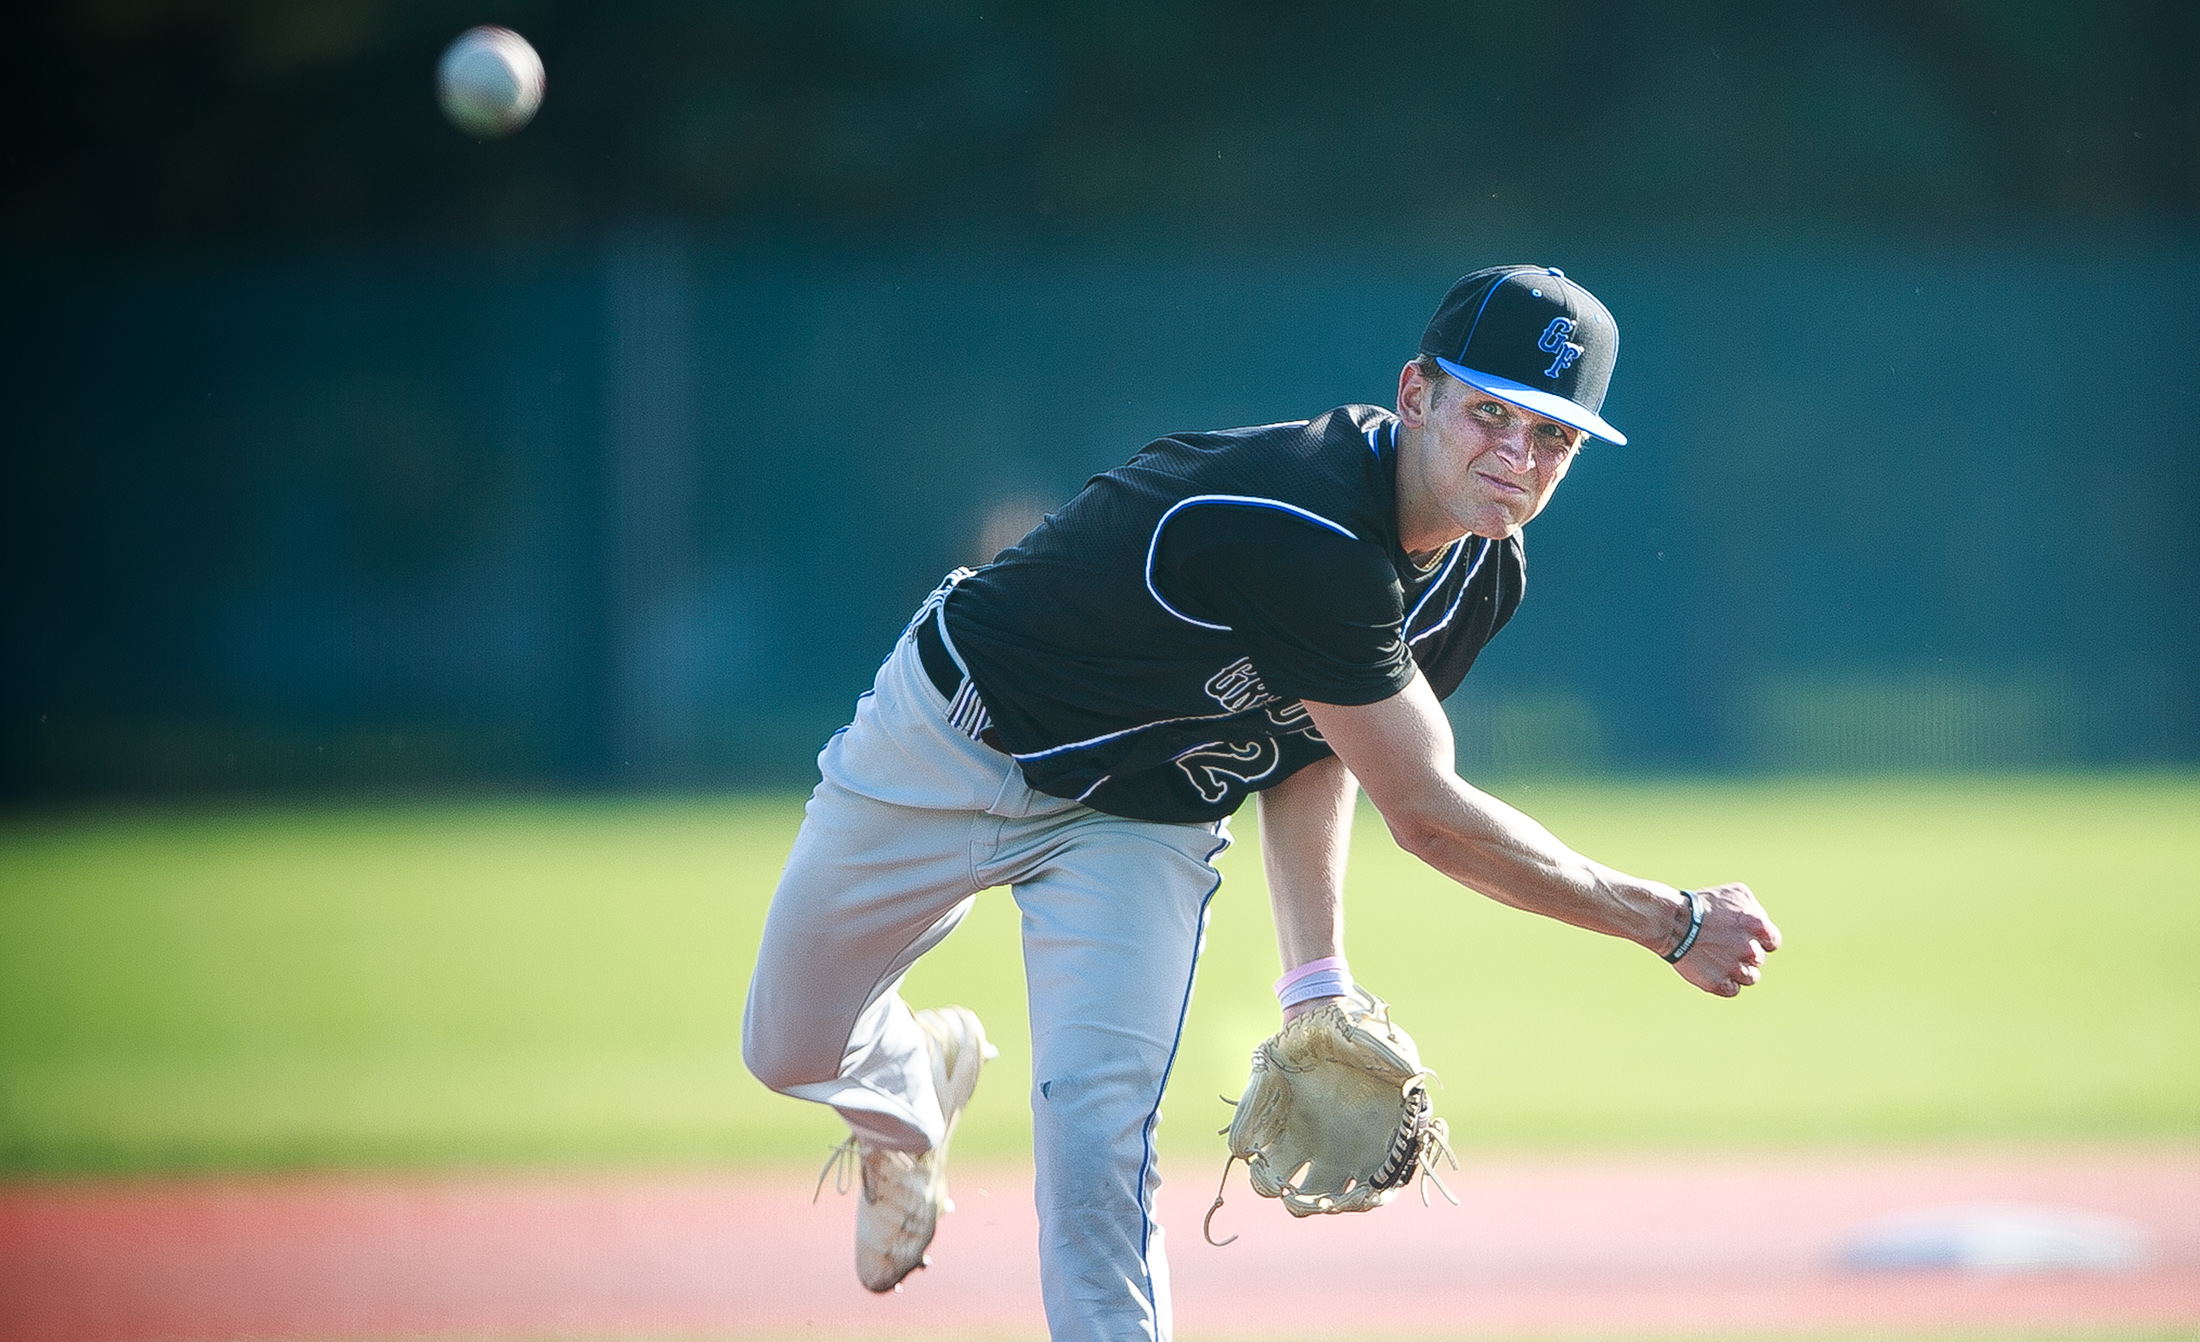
1730, 947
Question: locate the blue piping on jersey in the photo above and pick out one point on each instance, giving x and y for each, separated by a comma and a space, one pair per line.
1456, 597
1153, 546
1126, 731
1451, 561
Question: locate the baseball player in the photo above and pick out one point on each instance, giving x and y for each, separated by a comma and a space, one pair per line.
1275, 610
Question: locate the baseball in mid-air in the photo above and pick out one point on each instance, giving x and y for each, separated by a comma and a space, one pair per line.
489, 82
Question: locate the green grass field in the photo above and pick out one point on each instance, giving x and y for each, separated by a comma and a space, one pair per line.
557, 982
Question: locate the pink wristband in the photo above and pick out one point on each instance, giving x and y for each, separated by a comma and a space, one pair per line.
1326, 977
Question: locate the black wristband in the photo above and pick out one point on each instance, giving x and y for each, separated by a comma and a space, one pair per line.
1695, 925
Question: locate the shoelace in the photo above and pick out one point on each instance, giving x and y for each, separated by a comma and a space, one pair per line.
842, 1165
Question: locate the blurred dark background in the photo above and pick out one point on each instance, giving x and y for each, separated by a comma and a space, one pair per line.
344, 451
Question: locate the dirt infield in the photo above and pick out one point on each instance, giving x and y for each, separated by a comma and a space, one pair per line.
1604, 1246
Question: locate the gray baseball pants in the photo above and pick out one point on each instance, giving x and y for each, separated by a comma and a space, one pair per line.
913, 818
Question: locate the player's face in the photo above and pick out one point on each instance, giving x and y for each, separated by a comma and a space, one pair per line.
1486, 467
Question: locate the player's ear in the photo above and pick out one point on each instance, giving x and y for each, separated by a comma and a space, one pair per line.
1413, 395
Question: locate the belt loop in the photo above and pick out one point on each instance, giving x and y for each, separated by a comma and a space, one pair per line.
939, 663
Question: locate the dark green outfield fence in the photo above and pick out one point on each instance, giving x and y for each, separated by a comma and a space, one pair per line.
650, 516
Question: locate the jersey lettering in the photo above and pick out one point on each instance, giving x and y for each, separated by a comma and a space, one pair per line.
1237, 687
1220, 768
1291, 717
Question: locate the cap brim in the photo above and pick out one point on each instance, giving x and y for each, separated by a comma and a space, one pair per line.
1547, 404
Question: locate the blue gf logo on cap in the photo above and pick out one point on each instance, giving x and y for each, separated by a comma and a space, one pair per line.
1554, 341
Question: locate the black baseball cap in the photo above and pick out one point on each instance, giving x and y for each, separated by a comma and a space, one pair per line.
1529, 336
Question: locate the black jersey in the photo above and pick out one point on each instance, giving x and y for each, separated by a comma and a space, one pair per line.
1145, 649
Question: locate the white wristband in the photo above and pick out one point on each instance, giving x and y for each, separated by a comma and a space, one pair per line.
1326, 977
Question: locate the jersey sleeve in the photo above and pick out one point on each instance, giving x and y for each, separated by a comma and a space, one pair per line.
1319, 613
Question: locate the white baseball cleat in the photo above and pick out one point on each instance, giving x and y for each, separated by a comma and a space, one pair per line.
904, 1193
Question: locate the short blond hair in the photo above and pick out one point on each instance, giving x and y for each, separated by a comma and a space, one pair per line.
1439, 381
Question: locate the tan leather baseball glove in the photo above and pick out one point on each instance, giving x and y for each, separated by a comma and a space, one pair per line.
1336, 1117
